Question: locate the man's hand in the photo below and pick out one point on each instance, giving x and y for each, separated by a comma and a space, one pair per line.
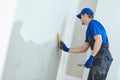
88, 63
64, 47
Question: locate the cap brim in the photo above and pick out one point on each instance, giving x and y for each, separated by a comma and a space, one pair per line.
78, 16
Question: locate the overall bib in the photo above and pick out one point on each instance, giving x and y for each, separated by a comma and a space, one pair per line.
102, 61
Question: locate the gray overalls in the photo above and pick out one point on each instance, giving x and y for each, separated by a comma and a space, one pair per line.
102, 61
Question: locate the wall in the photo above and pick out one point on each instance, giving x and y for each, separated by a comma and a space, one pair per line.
6, 22
108, 13
32, 52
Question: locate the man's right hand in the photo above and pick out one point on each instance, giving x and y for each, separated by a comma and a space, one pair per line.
64, 47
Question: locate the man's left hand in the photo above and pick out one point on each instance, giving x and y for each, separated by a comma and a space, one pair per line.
88, 63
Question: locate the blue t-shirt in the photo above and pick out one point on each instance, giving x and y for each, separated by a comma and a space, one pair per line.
96, 28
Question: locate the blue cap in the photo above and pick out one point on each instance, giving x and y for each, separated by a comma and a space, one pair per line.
85, 10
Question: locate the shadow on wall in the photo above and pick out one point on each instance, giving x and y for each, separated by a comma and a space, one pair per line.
30, 61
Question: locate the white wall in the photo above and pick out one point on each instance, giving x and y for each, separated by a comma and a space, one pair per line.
108, 13
7, 12
67, 38
32, 52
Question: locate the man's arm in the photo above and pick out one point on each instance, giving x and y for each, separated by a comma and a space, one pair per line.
97, 44
96, 48
81, 49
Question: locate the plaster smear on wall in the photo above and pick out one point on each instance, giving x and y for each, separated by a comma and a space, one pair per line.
28, 60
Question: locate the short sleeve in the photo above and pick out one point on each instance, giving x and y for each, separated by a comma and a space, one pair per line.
94, 28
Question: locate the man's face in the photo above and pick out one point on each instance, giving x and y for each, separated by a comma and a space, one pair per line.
83, 19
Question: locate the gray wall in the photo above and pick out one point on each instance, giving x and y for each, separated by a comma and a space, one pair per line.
32, 52
28, 60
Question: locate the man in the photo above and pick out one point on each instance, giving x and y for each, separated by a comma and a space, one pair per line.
100, 59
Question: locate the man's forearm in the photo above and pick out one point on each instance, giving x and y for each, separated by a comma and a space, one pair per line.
76, 50
97, 45
80, 49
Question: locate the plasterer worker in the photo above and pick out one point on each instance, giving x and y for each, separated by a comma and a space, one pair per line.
96, 38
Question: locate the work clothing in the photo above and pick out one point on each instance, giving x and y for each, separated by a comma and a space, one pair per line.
103, 59
89, 61
64, 47
96, 28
